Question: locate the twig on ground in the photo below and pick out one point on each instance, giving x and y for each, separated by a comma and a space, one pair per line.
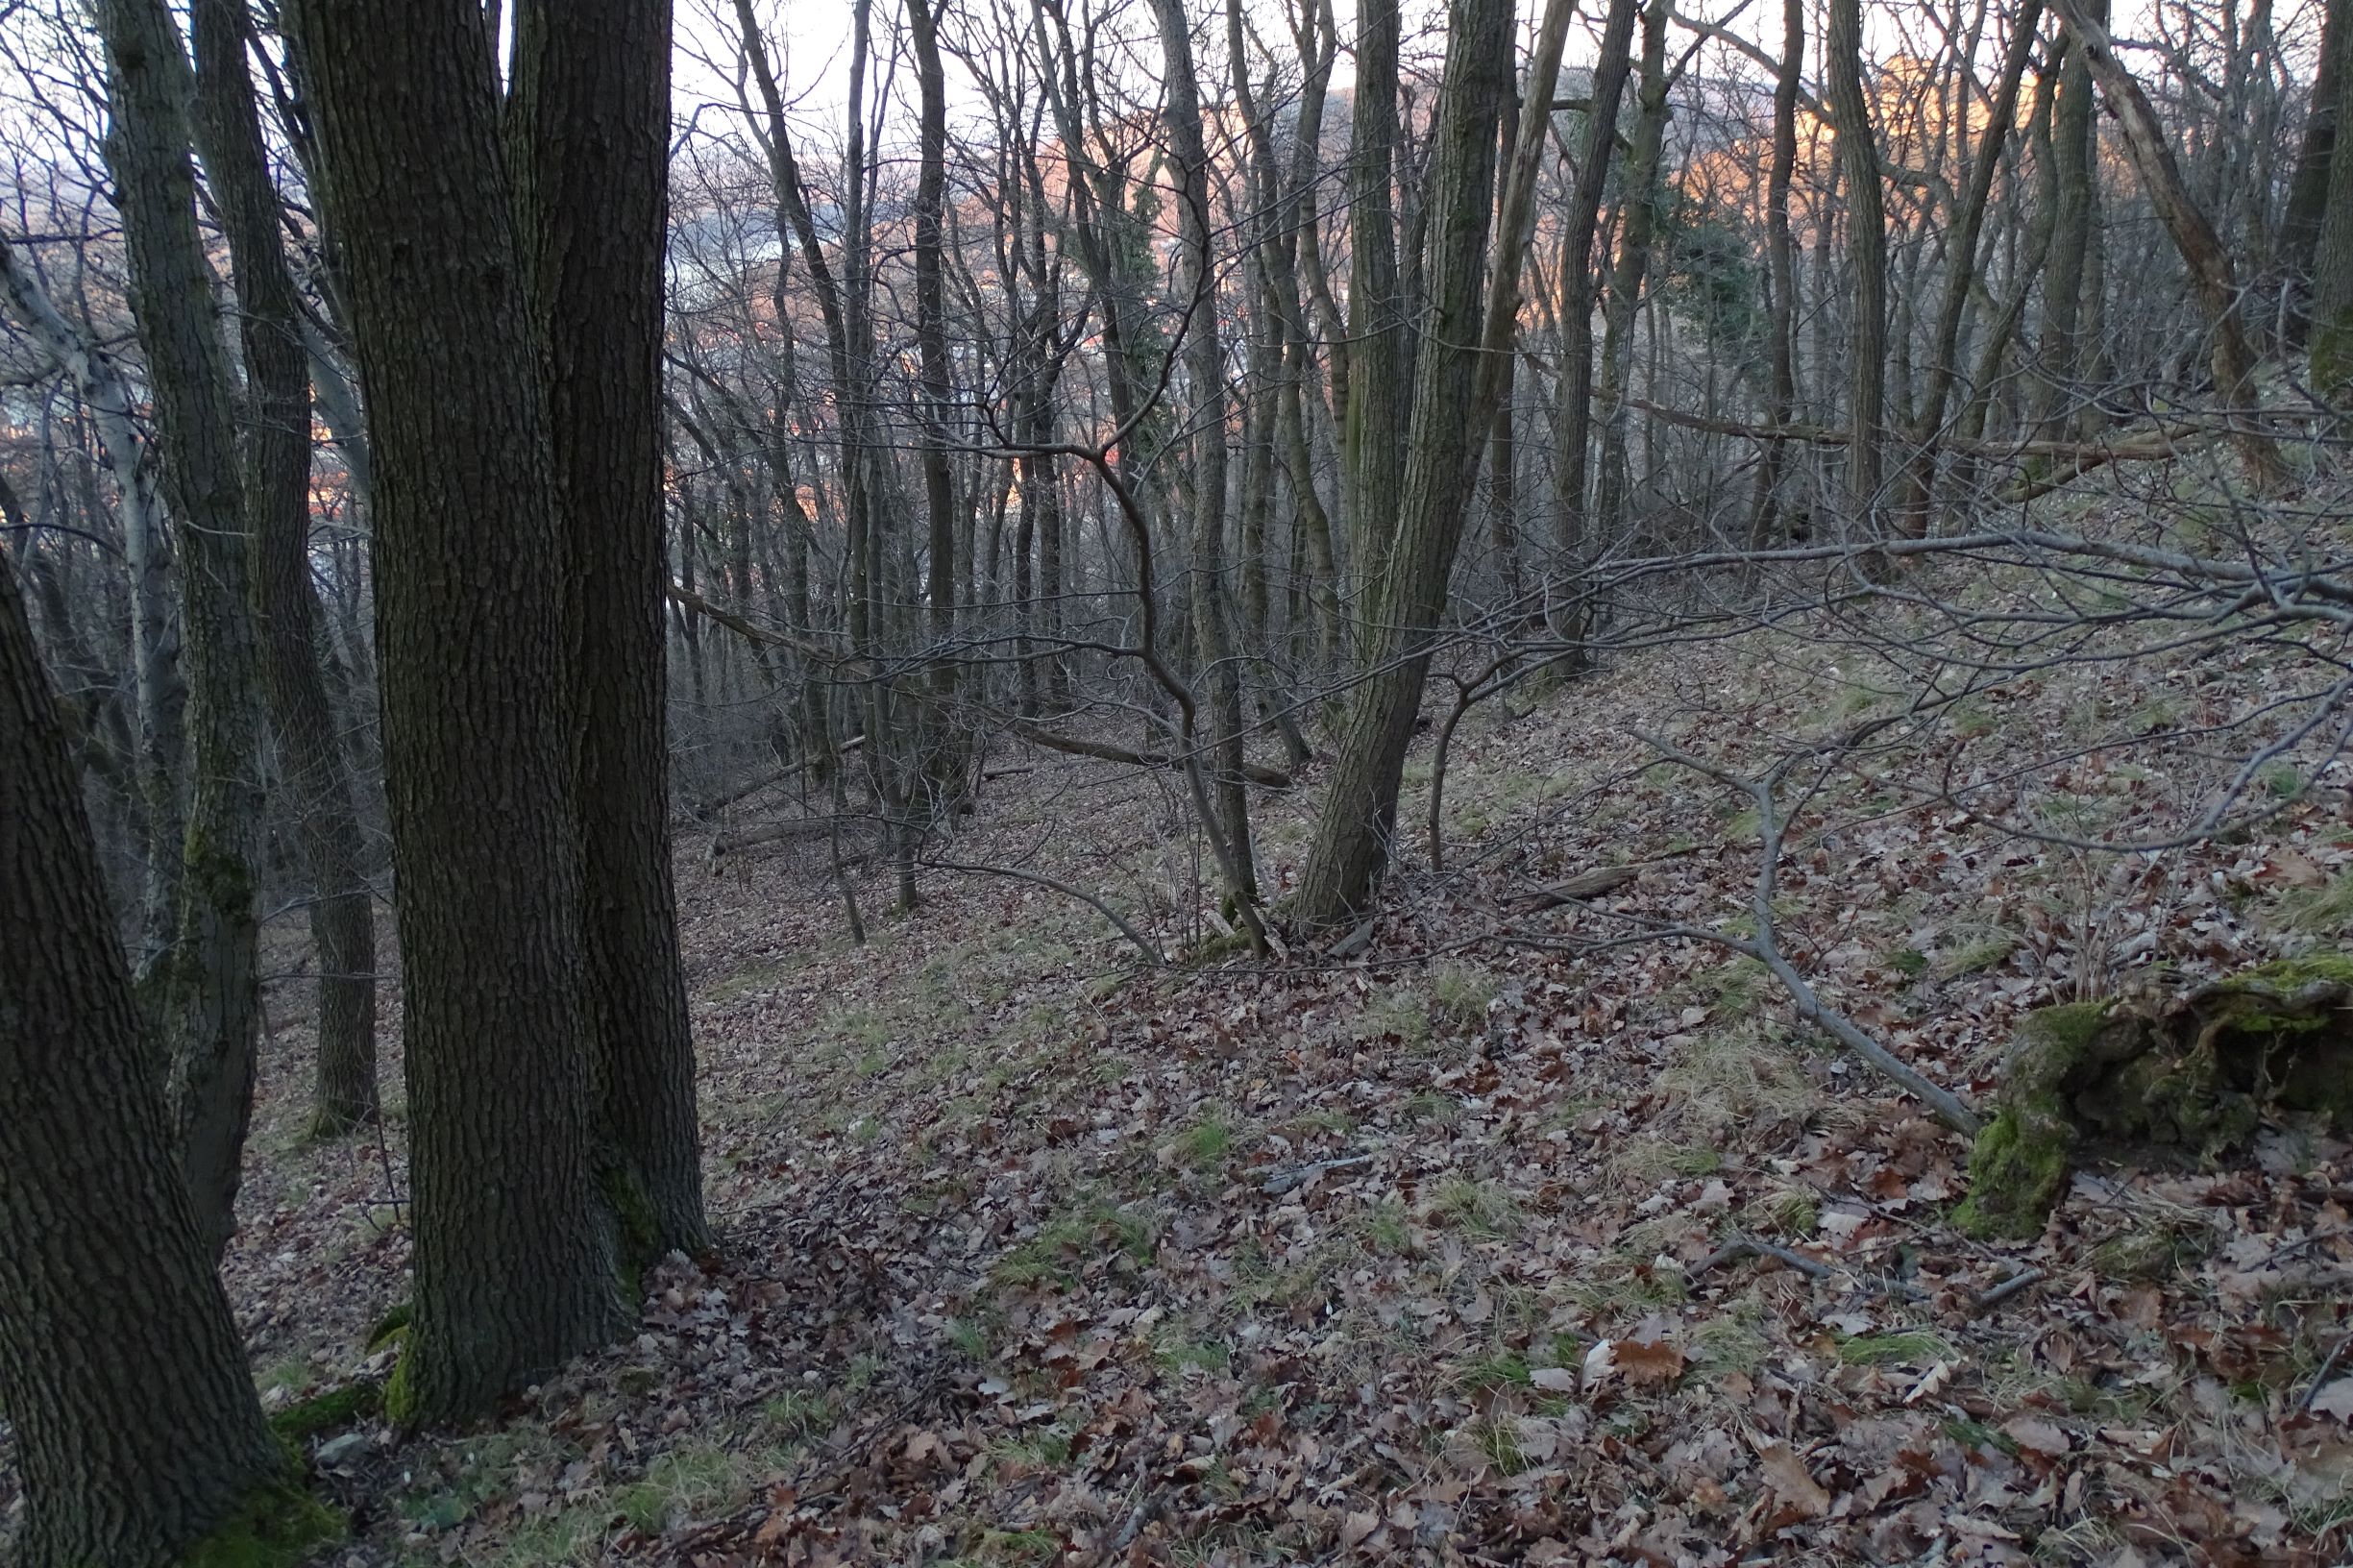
1750, 1246
1994, 1296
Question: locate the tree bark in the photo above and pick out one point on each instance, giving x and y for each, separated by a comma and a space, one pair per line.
1376, 410
2211, 275
205, 989
277, 455
1573, 399
136, 1429
1858, 156
2307, 187
1458, 379
514, 1265
1781, 270
591, 111
161, 692
1205, 371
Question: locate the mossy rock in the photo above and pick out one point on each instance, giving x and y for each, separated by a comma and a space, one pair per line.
2193, 1074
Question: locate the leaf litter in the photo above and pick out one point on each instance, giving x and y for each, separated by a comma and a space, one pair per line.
1028, 1257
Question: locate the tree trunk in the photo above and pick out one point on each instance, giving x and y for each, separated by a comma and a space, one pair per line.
206, 991
277, 451
945, 759
1573, 399
1377, 350
2308, 188
2211, 275
1204, 370
1635, 229
514, 1266
1782, 271
161, 695
136, 1429
591, 107
1858, 156
1458, 377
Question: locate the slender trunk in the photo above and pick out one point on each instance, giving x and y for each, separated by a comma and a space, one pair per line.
2211, 275
1640, 222
1858, 156
1572, 398
1961, 270
1205, 369
1782, 271
277, 451
206, 989
1459, 381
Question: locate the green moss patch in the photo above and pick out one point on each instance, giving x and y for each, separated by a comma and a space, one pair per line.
337, 1408
276, 1528
2195, 1073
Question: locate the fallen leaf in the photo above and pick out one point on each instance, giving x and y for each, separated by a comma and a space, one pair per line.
1786, 1475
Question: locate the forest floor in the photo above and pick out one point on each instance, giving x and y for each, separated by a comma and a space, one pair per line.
1031, 1255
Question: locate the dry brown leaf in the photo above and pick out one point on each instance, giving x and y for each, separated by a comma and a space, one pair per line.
1786, 1475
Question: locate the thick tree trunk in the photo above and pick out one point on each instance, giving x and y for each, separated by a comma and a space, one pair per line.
205, 989
136, 1429
514, 1265
160, 693
277, 453
591, 111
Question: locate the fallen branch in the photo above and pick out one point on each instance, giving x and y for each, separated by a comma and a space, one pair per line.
1994, 1296
1750, 1246
799, 828
1143, 944
1943, 1103
1103, 751
745, 791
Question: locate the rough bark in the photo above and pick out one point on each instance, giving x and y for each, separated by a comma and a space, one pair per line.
1573, 399
205, 989
2212, 277
1377, 409
1459, 375
136, 1429
514, 1267
590, 112
1858, 156
277, 459
160, 693
1205, 371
